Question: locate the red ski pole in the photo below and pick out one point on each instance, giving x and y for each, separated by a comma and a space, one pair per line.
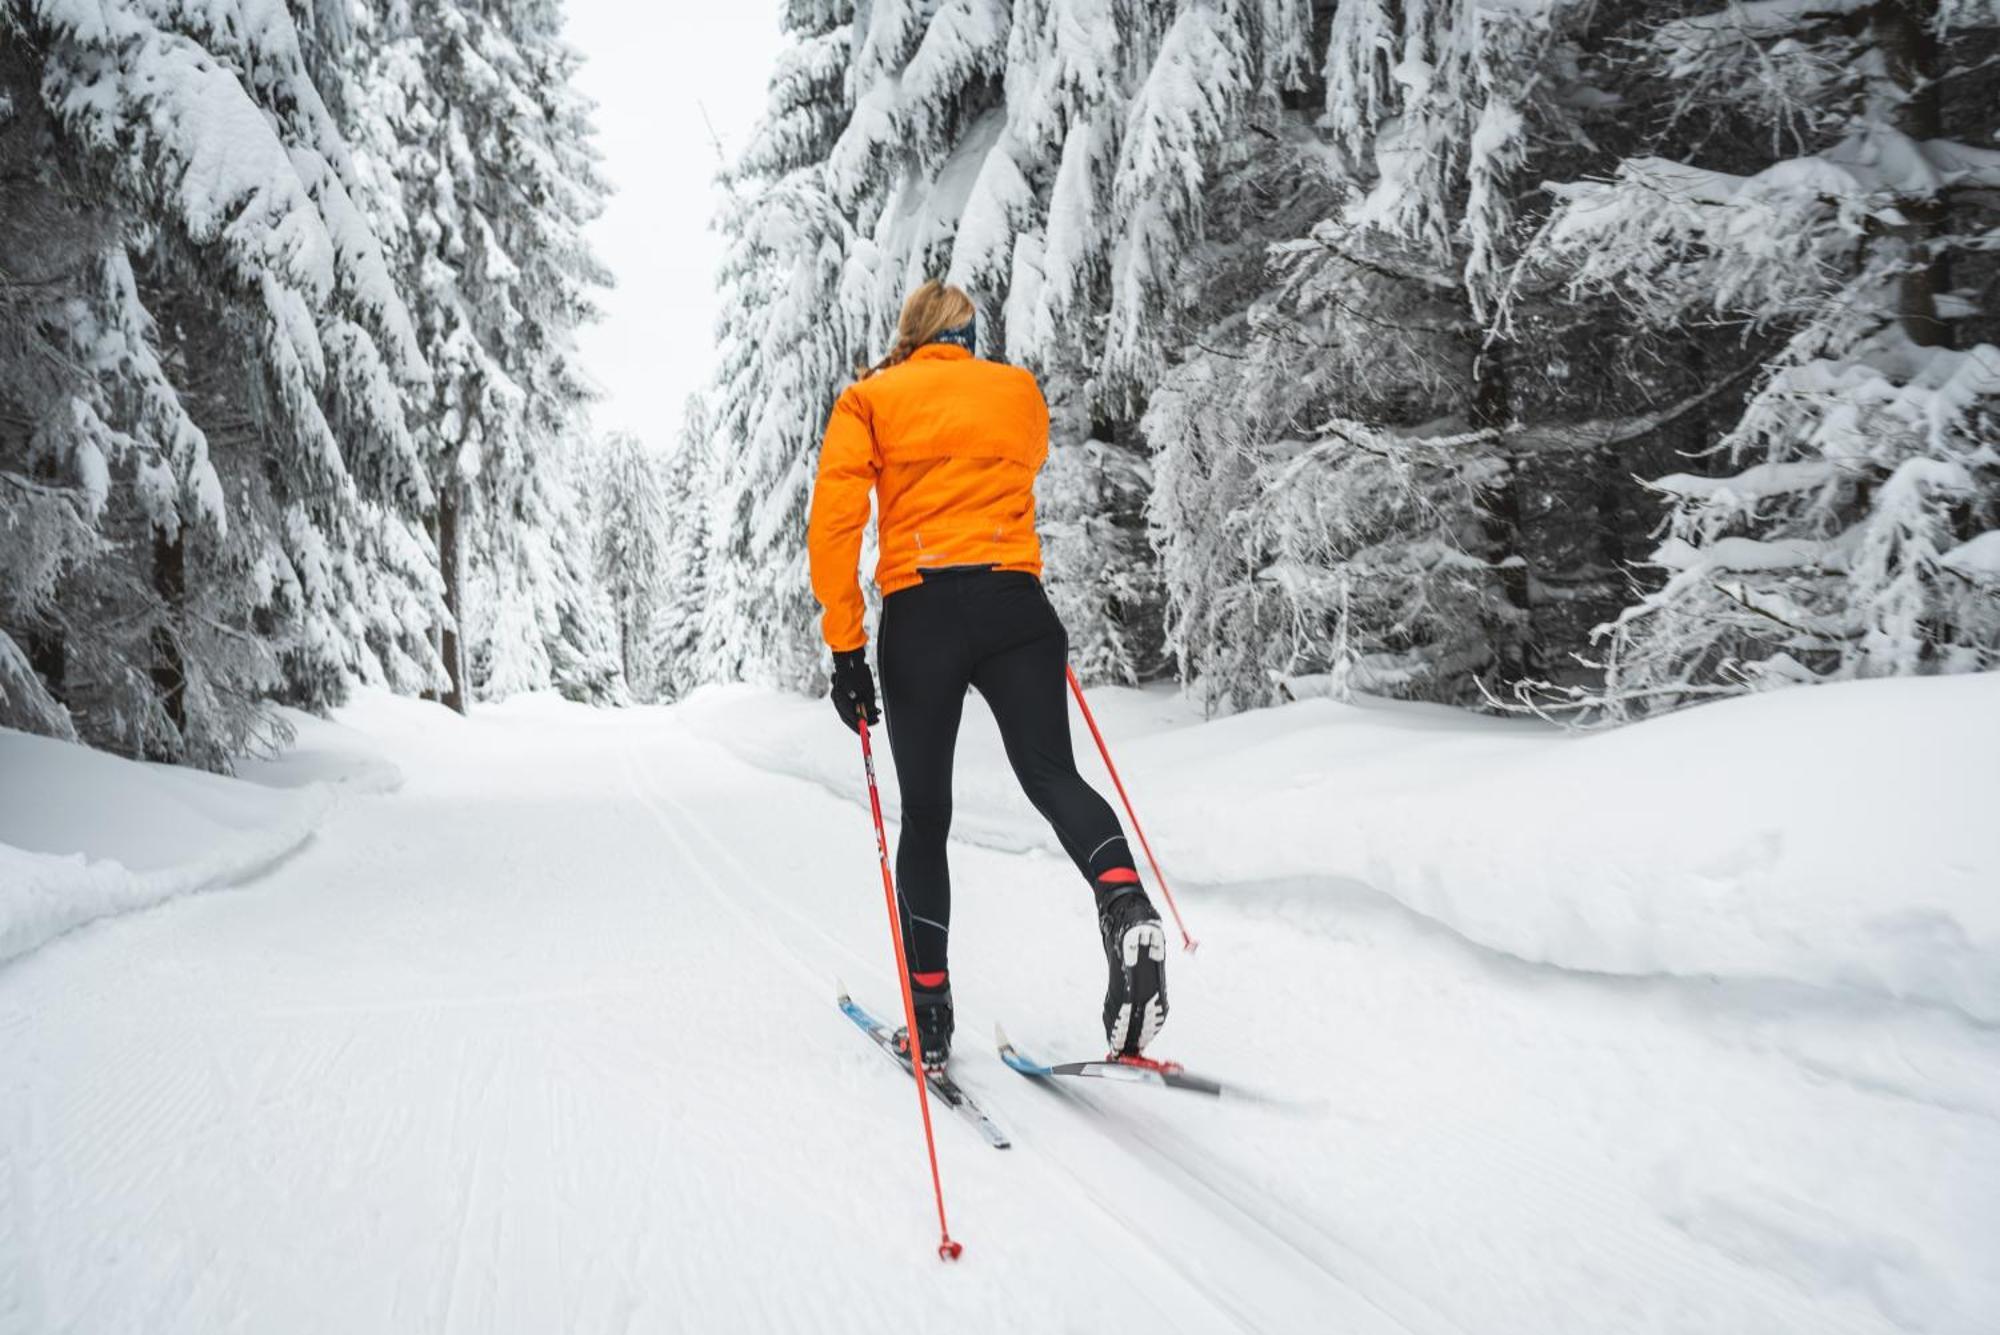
1187, 942
947, 1249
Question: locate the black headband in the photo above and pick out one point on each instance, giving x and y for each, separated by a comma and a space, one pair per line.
965, 336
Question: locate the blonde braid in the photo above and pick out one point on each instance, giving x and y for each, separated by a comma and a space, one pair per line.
930, 310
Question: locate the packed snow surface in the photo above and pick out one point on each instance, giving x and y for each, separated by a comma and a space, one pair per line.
1681, 1028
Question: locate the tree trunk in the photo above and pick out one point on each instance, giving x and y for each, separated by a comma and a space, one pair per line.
436, 637
625, 645
1906, 33
1492, 409
48, 656
1628, 514
451, 562
1612, 468
48, 650
169, 670
1904, 30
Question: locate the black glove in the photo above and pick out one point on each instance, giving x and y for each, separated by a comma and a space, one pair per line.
854, 689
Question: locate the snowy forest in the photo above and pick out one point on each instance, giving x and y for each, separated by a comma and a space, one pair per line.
1563, 355
288, 395
1599, 356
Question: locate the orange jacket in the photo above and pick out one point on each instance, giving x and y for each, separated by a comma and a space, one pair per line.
951, 445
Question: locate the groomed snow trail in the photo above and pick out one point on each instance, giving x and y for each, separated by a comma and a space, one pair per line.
546, 1041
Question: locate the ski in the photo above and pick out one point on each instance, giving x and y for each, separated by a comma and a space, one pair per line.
1129, 1070
1142, 1071
942, 1085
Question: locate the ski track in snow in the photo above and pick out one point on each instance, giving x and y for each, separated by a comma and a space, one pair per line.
1247, 1313
546, 1041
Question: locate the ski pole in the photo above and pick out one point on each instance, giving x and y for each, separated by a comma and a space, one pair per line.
1188, 943
947, 1249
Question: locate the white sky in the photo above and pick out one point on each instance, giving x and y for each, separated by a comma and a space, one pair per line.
652, 70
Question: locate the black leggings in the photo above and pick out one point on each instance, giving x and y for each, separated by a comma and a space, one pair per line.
994, 630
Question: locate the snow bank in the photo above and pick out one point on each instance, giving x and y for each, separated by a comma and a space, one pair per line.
1837, 836
347, 756
84, 835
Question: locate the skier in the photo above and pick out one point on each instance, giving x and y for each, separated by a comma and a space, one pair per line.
950, 444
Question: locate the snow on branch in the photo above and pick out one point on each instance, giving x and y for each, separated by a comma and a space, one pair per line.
1192, 94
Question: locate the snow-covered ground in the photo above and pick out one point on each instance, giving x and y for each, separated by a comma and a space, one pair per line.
1620, 1033
84, 834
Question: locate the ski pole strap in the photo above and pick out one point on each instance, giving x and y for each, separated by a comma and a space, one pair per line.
1188, 942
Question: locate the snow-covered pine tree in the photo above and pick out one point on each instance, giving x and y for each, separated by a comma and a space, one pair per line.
685, 477
1851, 530
394, 600
230, 339
1119, 117
538, 619
1074, 69
486, 177
995, 145
783, 355
1340, 457
56, 450
213, 372
630, 523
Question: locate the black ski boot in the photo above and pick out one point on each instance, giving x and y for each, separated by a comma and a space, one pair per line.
934, 1024
1135, 949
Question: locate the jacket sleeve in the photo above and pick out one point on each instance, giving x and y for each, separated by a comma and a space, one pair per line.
1038, 425
848, 467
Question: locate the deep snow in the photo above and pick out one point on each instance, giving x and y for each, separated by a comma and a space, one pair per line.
84, 834
1839, 837
544, 1038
